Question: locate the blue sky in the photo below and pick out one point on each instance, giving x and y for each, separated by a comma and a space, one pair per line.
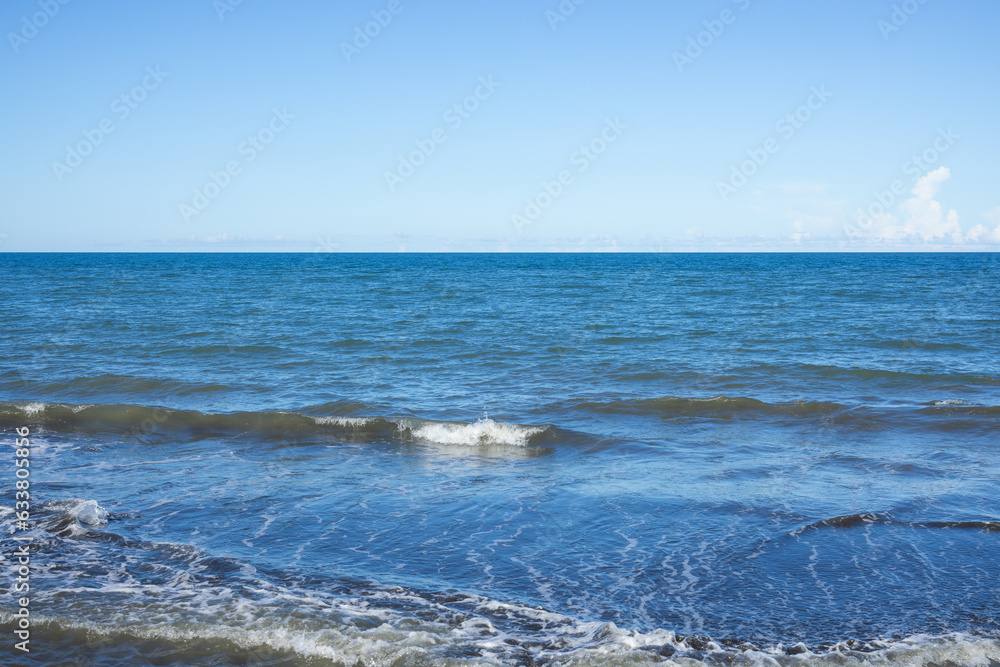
274, 126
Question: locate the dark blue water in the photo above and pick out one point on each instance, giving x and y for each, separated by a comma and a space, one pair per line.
506, 459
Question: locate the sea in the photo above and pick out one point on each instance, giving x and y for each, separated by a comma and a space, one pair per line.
500, 459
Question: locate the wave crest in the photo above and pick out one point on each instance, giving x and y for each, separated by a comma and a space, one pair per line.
482, 432
151, 421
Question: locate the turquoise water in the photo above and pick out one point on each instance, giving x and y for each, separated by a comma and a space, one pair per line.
506, 459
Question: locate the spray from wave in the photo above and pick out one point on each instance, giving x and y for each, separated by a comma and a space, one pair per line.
484, 432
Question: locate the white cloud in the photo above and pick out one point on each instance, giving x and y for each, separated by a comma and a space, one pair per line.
982, 233
924, 219
809, 208
799, 235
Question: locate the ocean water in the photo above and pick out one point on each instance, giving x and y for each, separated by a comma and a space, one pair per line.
335, 459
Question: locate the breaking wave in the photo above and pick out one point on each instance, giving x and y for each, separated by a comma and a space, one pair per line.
139, 420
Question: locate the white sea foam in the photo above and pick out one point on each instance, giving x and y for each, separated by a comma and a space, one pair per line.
482, 432
32, 409
326, 628
89, 512
581, 645
353, 422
